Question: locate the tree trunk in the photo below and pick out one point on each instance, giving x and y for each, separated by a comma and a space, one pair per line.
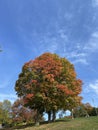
54, 116
37, 118
72, 114
49, 116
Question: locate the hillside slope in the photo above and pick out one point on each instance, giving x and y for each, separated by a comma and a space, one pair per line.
90, 123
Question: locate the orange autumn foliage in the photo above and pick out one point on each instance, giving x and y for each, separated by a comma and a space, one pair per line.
49, 83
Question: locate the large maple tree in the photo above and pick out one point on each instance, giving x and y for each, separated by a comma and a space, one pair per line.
49, 83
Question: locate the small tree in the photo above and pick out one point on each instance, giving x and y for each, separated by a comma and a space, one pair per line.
83, 110
20, 113
5, 109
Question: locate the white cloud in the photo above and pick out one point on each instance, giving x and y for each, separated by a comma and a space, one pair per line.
76, 52
94, 86
52, 48
86, 90
76, 55
92, 45
95, 3
83, 61
60, 42
49, 44
95, 34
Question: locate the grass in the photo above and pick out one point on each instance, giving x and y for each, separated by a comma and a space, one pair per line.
90, 123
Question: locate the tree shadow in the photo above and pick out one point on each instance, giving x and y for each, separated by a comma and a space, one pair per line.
63, 120
58, 120
18, 127
33, 124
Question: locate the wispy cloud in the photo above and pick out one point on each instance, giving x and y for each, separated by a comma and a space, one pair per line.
61, 44
95, 3
92, 44
82, 53
68, 16
5, 82
49, 44
10, 97
77, 57
95, 34
55, 37
94, 86
80, 60
7, 88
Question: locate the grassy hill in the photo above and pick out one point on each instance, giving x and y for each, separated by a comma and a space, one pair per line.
90, 123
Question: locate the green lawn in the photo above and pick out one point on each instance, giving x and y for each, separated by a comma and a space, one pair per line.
90, 123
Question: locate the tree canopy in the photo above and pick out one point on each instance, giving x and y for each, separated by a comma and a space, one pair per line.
5, 109
20, 113
49, 83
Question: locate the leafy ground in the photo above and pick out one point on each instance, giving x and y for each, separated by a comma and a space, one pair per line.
90, 123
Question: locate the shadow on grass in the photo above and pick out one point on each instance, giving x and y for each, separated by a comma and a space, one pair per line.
33, 124
63, 120
18, 127
58, 120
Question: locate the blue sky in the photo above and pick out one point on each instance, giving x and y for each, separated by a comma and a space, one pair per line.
29, 28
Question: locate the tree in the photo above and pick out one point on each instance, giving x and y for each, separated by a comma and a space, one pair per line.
5, 109
83, 110
20, 113
48, 84
94, 112
80, 111
88, 108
